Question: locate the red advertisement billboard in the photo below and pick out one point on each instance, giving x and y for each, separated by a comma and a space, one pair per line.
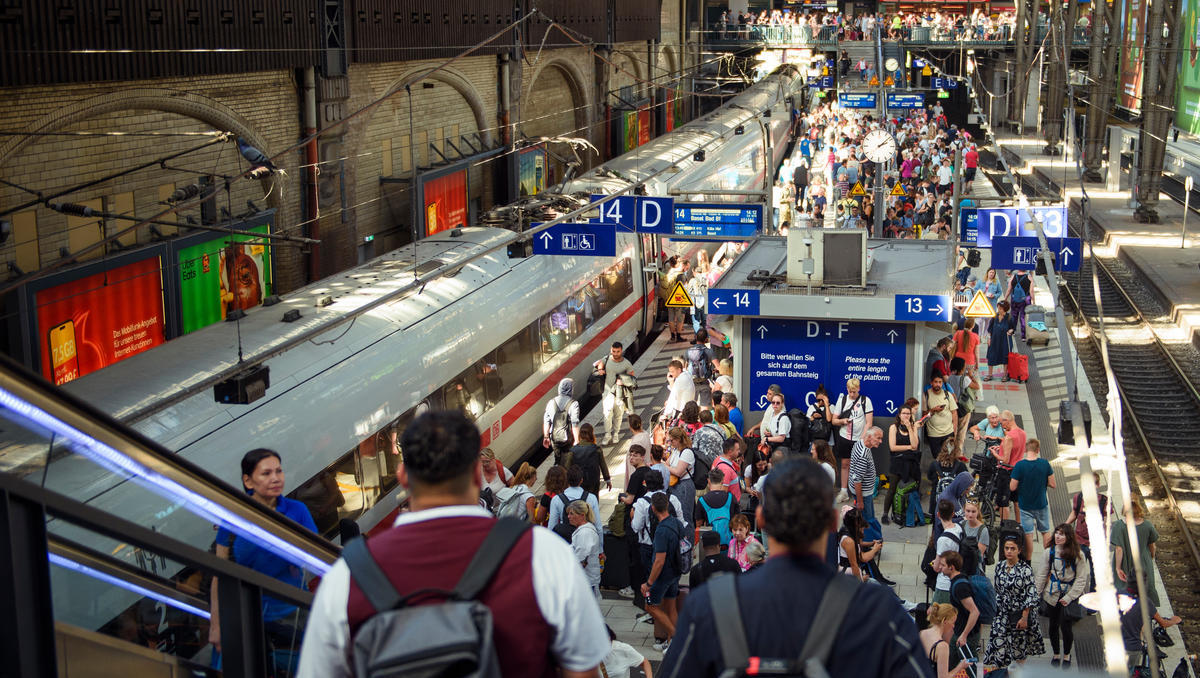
90, 323
445, 202
1132, 55
643, 125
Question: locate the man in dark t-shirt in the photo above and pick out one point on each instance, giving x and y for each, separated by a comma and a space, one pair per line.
962, 597
714, 562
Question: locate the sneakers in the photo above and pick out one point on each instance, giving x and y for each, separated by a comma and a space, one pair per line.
662, 645
626, 592
645, 618
842, 496
608, 440
908, 605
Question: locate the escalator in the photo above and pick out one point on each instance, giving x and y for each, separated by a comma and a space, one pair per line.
107, 552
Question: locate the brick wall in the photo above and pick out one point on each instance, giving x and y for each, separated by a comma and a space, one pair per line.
262, 106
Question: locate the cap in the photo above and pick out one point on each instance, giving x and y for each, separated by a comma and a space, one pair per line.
710, 538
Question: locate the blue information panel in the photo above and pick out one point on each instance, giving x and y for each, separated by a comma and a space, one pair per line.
820, 82
636, 213
945, 83
1021, 253
916, 307
800, 354
729, 221
732, 302
979, 225
858, 99
906, 100
594, 240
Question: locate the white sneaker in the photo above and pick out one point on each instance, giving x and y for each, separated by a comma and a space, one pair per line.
644, 618
909, 606
607, 440
626, 592
842, 496
662, 646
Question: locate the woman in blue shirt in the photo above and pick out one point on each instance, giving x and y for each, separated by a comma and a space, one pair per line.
262, 478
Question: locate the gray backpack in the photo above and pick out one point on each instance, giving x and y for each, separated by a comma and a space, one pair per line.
452, 637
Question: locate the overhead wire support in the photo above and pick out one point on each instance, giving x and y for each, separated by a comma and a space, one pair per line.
85, 211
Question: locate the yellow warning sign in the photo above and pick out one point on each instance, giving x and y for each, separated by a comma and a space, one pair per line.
874, 81
898, 190
679, 297
979, 307
889, 81
927, 71
858, 191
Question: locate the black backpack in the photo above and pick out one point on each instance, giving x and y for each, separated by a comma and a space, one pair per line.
430, 638
699, 364
798, 438
968, 548
813, 657
654, 516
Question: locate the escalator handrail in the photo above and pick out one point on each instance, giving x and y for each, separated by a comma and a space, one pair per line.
28, 395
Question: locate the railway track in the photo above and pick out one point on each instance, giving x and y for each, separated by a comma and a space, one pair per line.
1157, 384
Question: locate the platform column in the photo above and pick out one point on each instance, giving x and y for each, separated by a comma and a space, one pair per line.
1102, 58
1056, 80
1016, 97
1158, 104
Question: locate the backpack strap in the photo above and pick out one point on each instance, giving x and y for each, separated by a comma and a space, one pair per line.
488, 558
731, 632
369, 576
831, 613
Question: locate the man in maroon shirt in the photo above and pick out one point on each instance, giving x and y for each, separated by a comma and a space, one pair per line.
547, 622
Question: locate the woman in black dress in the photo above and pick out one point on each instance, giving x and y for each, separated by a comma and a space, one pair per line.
1015, 634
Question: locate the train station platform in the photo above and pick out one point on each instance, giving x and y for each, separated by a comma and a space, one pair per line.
1035, 406
1162, 253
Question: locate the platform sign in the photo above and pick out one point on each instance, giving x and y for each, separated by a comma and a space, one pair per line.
800, 354
905, 100
820, 82
730, 221
945, 83
637, 213
918, 307
592, 240
858, 99
977, 226
1021, 253
732, 302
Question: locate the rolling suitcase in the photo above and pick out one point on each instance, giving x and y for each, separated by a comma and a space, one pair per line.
1036, 327
1018, 367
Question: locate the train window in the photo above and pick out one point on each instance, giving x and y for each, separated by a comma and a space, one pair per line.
612, 286
506, 367
331, 495
465, 394
555, 331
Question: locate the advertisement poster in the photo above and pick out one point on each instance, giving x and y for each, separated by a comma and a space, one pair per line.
679, 104
1187, 101
445, 202
91, 323
670, 116
217, 277
643, 125
631, 131
1132, 53
531, 170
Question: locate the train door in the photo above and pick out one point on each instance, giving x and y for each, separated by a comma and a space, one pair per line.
649, 282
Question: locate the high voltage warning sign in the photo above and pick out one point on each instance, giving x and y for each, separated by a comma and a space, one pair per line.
679, 297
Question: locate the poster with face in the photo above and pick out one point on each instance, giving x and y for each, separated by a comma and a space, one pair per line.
220, 275
242, 277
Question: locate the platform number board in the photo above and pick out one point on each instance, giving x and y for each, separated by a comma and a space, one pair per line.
927, 307
732, 302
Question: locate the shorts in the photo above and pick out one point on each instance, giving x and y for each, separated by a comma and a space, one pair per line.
675, 314
969, 174
842, 447
663, 587
1035, 518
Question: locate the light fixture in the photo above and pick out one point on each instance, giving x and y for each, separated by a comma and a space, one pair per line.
698, 156
741, 129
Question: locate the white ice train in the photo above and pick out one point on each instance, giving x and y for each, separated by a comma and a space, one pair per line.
494, 339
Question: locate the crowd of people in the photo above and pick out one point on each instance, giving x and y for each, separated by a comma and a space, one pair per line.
782, 25
817, 185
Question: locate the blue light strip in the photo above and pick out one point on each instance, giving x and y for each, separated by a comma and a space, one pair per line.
202, 506
68, 564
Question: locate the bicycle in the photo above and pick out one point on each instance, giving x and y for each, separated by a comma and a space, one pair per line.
987, 480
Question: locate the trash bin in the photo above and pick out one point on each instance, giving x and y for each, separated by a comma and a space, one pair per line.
1066, 427
920, 34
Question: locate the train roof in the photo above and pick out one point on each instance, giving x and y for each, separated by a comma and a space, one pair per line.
144, 382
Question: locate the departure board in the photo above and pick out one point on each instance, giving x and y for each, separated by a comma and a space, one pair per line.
718, 220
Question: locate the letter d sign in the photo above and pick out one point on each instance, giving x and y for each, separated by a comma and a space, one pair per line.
656, 215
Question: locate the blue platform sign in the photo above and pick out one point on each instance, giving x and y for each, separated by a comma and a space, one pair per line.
858, 99
800, 354
945, 83
917, 307
593, 240
978, 226
732, 302
731, 221
1021, 253
907, 100
820, 82
637, 213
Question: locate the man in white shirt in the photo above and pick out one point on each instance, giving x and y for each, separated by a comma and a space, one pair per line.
683, 391
574, 492
430, 547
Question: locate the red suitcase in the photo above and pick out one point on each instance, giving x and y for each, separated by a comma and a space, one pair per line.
1018, 367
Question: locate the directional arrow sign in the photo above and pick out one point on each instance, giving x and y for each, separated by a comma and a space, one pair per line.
1070, 253
732, 302
592, 240
928, 307
1021, 253
892, 334
891, 407
762, 331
